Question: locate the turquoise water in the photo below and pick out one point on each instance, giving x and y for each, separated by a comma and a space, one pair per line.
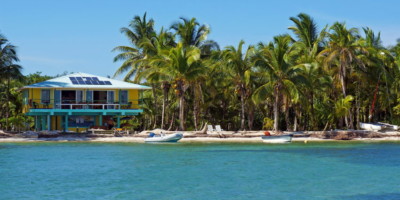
199, 171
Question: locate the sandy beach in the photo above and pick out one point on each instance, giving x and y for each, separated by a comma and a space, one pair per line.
215, 137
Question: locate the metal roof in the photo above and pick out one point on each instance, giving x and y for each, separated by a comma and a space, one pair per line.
66, 82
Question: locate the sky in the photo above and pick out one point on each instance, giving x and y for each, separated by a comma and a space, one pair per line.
78, 35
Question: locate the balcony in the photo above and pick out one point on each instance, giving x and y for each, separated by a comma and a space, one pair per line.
73, 107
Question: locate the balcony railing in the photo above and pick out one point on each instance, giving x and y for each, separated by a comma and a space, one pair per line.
73, 104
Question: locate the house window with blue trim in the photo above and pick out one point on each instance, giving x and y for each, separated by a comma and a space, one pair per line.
123, 97
45, 97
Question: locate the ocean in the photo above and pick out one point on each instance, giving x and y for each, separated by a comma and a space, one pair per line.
84, 170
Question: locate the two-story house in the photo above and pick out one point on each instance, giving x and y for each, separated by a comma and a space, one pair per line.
79, 101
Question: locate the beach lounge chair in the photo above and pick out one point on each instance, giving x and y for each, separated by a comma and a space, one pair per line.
210, 128
218, 128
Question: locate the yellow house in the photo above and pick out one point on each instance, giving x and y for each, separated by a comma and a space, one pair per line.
79, 101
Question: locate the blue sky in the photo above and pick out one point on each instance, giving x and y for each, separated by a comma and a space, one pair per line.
78, 35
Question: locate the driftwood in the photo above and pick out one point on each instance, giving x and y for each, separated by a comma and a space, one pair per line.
203, 131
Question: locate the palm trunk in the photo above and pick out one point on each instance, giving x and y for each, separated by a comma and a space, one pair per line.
242, 115
163, 112
287, 118
276, 112
172, 121
195, 108
357, 113
195, 114
312, 111
295, 122
153, 87
7, 103
181, 112
165, 87
250, 119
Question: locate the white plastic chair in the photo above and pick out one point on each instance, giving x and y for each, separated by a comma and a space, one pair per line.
210, 128
218, 128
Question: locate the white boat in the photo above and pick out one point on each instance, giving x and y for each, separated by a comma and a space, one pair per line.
164, 138
278, 138
372, 126
390, 127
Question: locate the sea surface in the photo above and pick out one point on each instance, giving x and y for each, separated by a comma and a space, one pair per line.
79, 170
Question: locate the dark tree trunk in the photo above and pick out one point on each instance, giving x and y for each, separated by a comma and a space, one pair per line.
155, 104
276, 109
250, 118
165, 87
181, 113
242, 109
7, 103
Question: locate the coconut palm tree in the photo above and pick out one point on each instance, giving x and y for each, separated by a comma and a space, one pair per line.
342, 50
162, 42
8, 69
239, 65
380, 68
275, 60
307, 46
139, 31
183, 66
191, 33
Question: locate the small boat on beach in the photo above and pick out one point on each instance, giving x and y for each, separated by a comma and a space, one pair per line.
372, 126
390, 127
277, 138
164, 138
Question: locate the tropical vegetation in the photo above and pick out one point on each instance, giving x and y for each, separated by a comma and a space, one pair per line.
308, 78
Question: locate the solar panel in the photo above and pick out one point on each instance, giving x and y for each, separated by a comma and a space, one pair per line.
88, 81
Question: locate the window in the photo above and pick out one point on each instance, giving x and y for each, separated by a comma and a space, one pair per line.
123, 97
45, 98
89, 96
79, 96
25, 94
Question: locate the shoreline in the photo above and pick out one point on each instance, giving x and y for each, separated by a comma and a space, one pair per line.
206, 137
130, 139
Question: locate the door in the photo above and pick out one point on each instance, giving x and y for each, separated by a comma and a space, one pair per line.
110, 99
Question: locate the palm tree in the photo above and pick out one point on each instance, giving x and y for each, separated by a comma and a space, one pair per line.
276, 62
342, 51
8, 69
191, 33
380, 66
183, 66
139, 31
305, 30
162, 42
240, 67
308, 45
